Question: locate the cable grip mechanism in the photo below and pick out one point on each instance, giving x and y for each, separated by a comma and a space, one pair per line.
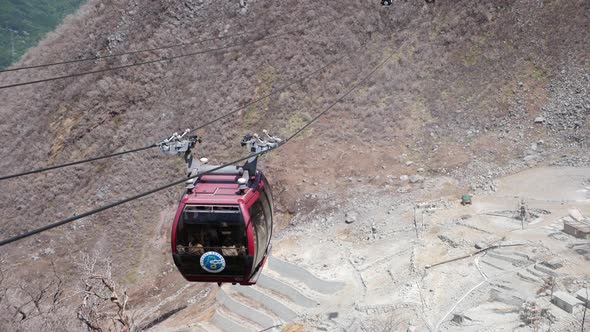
177, 144
255, 144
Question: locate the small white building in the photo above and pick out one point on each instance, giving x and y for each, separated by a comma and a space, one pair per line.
579, 229
565, 301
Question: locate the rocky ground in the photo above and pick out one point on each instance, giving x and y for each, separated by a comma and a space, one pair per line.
476, 92
384, 261
373, 252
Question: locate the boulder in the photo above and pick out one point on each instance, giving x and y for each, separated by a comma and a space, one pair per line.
349, 218
416, 178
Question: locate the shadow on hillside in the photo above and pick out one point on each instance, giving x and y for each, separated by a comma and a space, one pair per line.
161, 318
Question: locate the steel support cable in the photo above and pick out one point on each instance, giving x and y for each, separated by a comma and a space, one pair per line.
283, 88
155, 190
40, 170
162, 59
159, 48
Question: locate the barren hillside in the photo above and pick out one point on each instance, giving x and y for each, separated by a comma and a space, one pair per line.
475, 91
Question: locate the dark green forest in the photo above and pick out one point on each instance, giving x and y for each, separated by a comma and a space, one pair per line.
24, 22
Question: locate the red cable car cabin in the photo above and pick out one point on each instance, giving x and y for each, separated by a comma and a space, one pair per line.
222, 228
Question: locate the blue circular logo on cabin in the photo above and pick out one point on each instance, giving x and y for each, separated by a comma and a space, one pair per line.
212, 262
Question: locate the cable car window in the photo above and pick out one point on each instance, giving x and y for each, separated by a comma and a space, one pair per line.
268, 191
254, 238
258, 220
267, 211
196, 239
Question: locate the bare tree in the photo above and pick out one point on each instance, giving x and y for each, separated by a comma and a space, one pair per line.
532, 315
32, 306
549, 284
102, 307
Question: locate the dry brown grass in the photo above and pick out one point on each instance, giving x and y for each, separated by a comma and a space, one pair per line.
457, 55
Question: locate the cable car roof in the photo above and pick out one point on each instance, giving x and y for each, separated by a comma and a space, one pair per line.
217, 189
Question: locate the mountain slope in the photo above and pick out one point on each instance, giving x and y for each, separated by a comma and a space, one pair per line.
460, 97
